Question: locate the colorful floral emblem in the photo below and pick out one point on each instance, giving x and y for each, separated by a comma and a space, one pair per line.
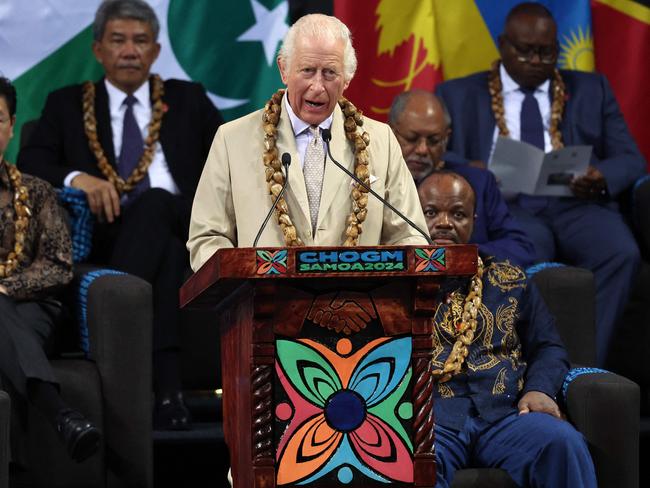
271, 262
427, 260
342, 410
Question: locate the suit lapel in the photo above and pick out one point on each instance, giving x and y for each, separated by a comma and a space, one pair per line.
296, 191
335, 179
103, 115
487, 123
167, 129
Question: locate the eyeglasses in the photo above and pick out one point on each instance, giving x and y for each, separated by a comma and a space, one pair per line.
546, 54
432, 141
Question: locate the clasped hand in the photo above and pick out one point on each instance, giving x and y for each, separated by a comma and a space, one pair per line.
103, 198
536, 401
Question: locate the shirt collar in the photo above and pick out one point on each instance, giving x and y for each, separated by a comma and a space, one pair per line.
116, 96
510, 85
299, 125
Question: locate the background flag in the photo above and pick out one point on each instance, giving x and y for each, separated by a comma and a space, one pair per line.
46, 44
396, 47
622, 42
404, 44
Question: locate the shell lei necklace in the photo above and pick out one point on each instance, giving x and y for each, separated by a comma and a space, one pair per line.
275, 177
557, 104
90, 127
465, 329
21, 221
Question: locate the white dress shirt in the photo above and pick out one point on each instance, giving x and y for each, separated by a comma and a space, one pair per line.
159, 174
300, 130
513, 97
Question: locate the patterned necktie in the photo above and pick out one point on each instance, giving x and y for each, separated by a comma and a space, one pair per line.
132, 148
313, 170
532, 127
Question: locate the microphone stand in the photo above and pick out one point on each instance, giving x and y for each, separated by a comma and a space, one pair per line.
286, 161
327, 137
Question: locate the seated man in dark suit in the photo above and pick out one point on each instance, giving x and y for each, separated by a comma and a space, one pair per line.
525, 97
422, 127
499, 362
35, 262
136, 146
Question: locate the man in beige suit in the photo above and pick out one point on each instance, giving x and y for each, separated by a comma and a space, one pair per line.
322, 206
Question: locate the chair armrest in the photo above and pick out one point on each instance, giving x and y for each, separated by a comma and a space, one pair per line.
569, 294
604, 407
5, 415
119, 320
641, 207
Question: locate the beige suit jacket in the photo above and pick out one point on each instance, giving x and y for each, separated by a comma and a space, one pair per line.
232, 198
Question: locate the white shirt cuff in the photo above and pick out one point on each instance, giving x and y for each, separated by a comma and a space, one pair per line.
67, 181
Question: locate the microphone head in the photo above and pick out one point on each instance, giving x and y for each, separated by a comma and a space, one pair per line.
327, 135
286, 159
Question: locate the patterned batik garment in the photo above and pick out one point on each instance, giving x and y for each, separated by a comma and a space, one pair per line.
48, 253
516, 348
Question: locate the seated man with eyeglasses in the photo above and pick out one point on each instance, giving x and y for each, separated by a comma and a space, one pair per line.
421, 124
525, 97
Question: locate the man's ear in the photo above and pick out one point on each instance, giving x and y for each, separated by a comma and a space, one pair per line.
282, 67
97, 51
157, 51
12, 124
500, 42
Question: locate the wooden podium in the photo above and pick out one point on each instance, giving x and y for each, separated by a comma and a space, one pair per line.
326, 360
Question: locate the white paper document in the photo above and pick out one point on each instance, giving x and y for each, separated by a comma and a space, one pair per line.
523, 168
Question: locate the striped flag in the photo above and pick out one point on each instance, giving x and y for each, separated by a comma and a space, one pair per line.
405, 44
622, 41
46, 44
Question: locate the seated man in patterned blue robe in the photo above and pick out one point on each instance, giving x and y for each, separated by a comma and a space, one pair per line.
495, 397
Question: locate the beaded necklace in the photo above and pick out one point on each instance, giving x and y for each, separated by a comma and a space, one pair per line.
465, 329
90, 127
557, 104
275, 177
21, 220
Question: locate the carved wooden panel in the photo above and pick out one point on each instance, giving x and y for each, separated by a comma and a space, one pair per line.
326, 361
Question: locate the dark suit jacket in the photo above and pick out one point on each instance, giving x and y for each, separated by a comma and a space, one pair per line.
58, 144
591, 116
495, 229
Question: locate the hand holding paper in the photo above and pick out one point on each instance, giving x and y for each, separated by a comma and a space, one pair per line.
591, 185
523, 168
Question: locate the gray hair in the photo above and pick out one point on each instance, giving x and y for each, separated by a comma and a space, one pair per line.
321, 27
400, 101
124, 9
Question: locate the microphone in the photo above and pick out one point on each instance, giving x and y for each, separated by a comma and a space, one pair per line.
327, 137
286, 161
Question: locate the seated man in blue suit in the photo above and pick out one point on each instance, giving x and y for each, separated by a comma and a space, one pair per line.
422, 127
525, 97
499, 363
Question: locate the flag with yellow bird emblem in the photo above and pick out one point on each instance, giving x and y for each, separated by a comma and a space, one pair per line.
397, 50
406, 44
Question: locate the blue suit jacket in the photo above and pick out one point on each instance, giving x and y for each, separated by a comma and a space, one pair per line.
516, 349
591, 117
495, 229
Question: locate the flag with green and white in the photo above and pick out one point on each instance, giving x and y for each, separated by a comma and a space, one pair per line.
228, 46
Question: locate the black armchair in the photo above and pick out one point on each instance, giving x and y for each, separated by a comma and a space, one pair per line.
109, 379
630, 355
604, 407
5, 412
